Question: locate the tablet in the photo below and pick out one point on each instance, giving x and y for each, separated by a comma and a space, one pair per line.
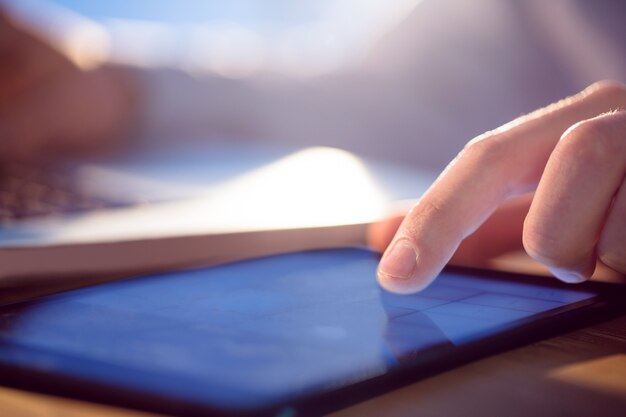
288, 335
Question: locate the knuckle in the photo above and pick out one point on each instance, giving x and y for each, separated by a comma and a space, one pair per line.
589, 142
426, 210
430, 216
610, 91
487, 149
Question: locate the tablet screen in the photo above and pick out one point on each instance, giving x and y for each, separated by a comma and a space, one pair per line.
260, 332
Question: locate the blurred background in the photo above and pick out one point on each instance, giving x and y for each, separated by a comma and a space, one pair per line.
234, 38
403, 80
400, 81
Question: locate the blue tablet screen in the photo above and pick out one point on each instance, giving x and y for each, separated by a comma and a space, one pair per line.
253, 333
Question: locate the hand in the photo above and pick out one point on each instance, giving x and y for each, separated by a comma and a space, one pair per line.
553, 180
47, 103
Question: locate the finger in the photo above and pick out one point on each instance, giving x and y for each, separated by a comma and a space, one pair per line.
611, 248
490, 169
501, 233
379, 234
574, 195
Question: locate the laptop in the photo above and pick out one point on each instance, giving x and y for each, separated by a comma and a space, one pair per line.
148, 210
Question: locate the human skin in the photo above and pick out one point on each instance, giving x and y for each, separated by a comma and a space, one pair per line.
552, 180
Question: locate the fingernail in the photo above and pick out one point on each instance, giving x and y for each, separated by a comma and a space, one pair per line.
399, 261
568, 276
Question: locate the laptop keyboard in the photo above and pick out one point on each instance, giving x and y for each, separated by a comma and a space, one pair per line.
28, 192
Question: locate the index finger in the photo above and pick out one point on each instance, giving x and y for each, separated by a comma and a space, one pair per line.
491, 168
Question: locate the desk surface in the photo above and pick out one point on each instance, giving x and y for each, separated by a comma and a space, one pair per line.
579, 373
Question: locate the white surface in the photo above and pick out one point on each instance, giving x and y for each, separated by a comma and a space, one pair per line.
245, 203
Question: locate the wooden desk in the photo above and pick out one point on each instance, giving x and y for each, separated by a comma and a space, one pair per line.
582, 373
